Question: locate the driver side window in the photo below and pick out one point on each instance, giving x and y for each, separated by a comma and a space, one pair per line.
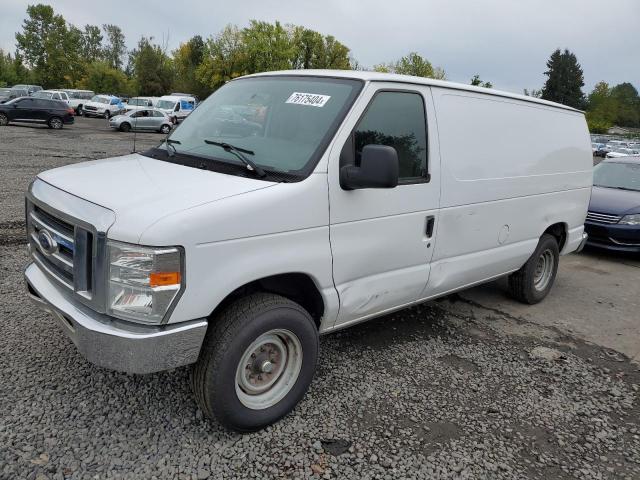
396, 119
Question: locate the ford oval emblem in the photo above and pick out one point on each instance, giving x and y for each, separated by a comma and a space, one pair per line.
47, 243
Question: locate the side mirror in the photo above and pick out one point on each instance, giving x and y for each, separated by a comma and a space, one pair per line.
378, 169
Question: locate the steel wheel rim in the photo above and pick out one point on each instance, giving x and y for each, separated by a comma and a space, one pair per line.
268, 369
544, 270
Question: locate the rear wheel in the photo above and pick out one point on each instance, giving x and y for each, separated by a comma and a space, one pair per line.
125, 127
4, 120
532, 283
165, 129
107, 114
79, 110
55, 123
257, 362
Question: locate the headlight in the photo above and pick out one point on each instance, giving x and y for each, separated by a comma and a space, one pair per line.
144, 282
630, 219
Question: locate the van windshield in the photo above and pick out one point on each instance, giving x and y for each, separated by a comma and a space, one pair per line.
166, 104
286, 121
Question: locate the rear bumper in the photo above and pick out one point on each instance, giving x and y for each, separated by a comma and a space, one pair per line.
112, 343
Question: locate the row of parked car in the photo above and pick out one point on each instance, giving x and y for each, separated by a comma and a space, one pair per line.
30, 103
606, 148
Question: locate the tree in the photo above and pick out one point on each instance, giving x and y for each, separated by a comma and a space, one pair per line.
115, 49
533, 93
91, 44
601, 109
412, 64
45, 45
186, 59
100, 77
310, 49
628, 103
266, 47
225, 59
152, 68
477, 82
565, 80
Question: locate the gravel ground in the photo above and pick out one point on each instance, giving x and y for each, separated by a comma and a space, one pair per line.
423, 393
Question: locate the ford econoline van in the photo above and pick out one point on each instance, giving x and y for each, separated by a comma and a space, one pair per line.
177, 108
293, 204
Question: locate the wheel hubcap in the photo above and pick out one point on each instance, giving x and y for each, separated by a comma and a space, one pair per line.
544, 270
268, 369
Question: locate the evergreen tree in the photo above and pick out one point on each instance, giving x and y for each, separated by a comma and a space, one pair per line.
565, 80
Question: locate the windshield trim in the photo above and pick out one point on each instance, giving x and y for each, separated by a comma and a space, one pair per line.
315, 157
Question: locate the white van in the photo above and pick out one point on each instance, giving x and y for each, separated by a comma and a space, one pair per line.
177, 108
140, 103
292, 204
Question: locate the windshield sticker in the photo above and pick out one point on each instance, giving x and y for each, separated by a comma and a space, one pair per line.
311, 99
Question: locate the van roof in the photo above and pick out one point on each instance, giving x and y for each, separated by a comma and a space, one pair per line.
175, 97
393, 77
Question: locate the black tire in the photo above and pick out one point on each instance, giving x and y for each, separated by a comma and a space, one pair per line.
55, 123
165, 129
231, 333
79, 110
4, 120
125, 127
523, 285
107, 114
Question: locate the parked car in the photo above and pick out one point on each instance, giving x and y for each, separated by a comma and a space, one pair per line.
622, 152
54, 113
140, 103
7, 94
29, 88
233, 253
102, 106
175, 107
602, 151
52, 95
613, 220
77, 98
150, 119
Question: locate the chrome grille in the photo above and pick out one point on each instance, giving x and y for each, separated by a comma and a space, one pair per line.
62, 249
602, 218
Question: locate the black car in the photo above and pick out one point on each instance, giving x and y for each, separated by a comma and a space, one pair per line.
54, 113
613, 219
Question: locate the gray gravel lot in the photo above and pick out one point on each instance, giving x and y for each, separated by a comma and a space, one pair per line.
446, 390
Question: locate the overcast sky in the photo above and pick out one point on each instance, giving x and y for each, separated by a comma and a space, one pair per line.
506, 42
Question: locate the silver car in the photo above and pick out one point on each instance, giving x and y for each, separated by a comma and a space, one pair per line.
149, 119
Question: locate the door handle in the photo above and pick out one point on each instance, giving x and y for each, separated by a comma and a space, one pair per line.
431, 220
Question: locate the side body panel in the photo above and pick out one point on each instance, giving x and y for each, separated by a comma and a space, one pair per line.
510, 169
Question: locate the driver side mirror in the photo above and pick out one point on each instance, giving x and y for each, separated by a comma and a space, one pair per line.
378, 169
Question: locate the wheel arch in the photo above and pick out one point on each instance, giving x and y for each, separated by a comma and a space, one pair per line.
296, 286
559, 231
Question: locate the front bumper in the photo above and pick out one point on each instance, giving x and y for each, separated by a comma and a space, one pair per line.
614, 237
112, 343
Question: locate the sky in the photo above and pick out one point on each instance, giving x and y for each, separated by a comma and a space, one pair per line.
506, 42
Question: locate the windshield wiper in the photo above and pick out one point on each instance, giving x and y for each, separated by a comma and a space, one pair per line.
238, 152
171, 143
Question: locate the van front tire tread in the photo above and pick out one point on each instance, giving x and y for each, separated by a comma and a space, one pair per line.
214, 366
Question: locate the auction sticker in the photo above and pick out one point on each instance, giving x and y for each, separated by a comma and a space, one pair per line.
311, 99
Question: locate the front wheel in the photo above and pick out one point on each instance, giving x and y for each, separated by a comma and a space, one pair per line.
257, 362
107, 114
532, 283
4, 120
125, 127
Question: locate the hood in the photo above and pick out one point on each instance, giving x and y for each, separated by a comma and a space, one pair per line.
141, 190
614, 201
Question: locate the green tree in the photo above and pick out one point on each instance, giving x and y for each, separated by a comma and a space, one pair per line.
565, 80
115, 49
186, 59
477, 82
44, 43
101, 77
602, 108
266, 47
310, 49
152, 68
628, 103
412, 64
91, 44
225, 58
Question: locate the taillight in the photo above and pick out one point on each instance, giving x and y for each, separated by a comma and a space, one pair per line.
71, 110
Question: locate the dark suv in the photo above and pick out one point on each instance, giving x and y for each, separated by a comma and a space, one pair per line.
36, 110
